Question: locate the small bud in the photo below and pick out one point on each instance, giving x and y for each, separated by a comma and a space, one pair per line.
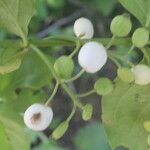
142, 74
140, 37
64, 67
87, 112
147, 126
125, 74
121, 25
103, 86
60, 130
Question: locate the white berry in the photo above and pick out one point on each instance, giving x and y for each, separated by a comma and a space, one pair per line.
142, 74
83, 27
92, 57
38, 117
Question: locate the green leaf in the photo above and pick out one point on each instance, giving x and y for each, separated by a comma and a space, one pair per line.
41, 9
15, 102
10, 62
92, 137
5, 82
3, 139
103, 6
49, 146
33, 73
16, 15
138, 8
26, 98
124, 112
12, 136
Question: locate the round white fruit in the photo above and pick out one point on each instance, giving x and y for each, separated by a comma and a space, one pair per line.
38, 117
92, 57
83, 27
142, 74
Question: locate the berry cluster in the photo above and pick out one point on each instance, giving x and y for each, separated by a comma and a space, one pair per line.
92, 57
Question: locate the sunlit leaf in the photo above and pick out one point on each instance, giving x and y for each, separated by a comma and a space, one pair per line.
124, 112
16, 15
139, 8
12, 136
11, 63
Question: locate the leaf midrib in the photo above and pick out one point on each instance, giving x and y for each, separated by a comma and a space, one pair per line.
140, 7
13, 18
118, 104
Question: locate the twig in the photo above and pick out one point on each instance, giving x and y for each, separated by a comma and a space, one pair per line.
61, 22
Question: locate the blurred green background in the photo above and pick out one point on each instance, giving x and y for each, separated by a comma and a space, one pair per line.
54, 17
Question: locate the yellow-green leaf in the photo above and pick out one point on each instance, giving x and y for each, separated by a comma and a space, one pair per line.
12, 136
15, 15
12, 63
139, 8
124, 112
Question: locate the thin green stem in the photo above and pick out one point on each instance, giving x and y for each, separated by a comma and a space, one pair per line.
114, 60
78, 44
146, 55
86, 94
130, 50
76, 76
63, 85
43, 137
46, 61
121, 59
53, 94
111, 42
72, 95
24, 39
72, 113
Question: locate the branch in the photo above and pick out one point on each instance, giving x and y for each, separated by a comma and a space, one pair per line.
61, 22
61, 41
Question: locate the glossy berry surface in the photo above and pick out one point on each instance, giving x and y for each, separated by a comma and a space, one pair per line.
92, 57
